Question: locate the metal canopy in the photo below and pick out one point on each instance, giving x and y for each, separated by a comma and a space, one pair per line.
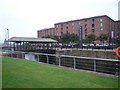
31, 39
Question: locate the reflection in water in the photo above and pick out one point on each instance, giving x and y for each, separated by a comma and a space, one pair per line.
30, 57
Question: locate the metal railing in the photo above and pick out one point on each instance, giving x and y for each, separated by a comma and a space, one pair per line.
109, 66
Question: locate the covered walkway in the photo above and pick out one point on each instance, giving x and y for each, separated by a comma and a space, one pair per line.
29, 43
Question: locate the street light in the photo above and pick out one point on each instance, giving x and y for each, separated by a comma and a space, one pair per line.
80, 37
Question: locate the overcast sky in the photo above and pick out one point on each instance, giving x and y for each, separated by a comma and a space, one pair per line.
24, 17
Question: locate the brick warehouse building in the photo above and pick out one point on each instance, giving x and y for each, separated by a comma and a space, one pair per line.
117, 28
46, 32
94, 25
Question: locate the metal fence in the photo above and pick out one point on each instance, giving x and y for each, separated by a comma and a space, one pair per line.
109, 66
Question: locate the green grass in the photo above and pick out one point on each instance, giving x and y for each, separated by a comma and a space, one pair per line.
25, 74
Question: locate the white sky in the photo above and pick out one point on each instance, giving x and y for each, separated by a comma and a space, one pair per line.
25, 17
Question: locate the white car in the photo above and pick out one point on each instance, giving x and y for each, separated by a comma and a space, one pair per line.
102, 44
85, 44
91, 44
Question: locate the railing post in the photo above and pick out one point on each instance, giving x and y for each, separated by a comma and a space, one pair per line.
38, 57
59, 62
47, 59
17, 54
74, 62
94, 65
11, 54
23, 56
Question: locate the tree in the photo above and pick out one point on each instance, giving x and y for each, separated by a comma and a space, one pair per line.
52, 37
117, 40
47, 36
86, 40
103, 37
55, 38
74, 38
91, 37
67, 38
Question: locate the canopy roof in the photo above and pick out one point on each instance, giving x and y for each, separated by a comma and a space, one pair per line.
31, 39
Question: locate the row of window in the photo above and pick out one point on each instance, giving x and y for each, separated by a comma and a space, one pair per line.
93, 25
85, 31
93, 30
86, 22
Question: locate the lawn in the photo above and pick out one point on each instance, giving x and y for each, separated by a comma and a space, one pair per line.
19, 73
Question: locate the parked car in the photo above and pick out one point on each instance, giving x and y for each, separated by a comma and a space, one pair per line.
91, 45
86, 45
60, 45
102, 44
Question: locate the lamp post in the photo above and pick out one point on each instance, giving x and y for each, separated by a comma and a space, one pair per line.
80, 37
8, 33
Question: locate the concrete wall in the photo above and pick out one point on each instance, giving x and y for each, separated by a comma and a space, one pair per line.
88, 53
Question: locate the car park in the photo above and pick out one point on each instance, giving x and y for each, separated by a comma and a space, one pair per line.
85, 45
91, 45
102, 44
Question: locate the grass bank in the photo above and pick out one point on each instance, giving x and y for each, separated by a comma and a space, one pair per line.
25, 74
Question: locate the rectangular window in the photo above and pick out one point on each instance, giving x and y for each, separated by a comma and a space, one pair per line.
101, 20
79, 23
72, 27
66, 31
93, 30
101, 24
57, 26
93, 20
93, 25
85, 35
85, 26
66, 24
85, 21
61, 33
85, 31
72, 31
72, 23
101, 29
66, 27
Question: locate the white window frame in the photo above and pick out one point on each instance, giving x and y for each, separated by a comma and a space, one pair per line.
101, 19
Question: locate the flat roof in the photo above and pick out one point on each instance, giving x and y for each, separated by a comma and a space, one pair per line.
84, 19
31, 39
45, 29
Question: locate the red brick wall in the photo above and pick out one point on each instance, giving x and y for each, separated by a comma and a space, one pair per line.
45, 32
74, 26
117, 28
